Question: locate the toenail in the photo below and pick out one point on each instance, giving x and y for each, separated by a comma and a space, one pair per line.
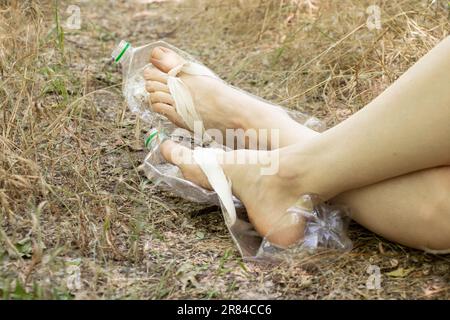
157, 52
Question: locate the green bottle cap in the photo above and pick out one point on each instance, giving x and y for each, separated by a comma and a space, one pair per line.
120, 50
151, 135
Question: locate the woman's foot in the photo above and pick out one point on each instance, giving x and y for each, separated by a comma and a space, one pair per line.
266, 197
220, 106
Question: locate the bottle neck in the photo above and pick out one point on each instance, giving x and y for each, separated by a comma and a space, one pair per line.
122, 52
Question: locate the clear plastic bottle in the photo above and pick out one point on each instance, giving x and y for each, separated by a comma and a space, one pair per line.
134, 61
169, 176
325, 225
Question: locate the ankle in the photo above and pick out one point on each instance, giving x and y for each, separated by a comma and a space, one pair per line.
290, 173
302, 172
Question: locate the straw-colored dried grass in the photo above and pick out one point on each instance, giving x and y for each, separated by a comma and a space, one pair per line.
70, 194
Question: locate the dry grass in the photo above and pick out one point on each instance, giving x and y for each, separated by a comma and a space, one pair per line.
70, 194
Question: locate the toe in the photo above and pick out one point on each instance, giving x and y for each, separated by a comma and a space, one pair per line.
176, 153
183, 158
154, 86
164, 109
169, 112
158, 53
165, 59
163, 97
153, 74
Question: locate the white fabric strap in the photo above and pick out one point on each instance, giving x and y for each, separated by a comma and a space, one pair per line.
208, 161
180, 93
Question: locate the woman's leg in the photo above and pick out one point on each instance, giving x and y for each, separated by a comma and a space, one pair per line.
398, 194
412, 209
405, 129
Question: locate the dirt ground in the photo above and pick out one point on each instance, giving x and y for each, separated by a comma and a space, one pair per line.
77, 219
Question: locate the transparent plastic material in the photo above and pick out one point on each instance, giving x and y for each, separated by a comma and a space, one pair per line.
320, 226
135, 60
169, 177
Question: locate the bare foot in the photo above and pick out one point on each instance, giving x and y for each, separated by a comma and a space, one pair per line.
220, 106
266, 197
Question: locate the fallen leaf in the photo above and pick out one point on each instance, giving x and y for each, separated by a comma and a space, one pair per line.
200, 235
400, 272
